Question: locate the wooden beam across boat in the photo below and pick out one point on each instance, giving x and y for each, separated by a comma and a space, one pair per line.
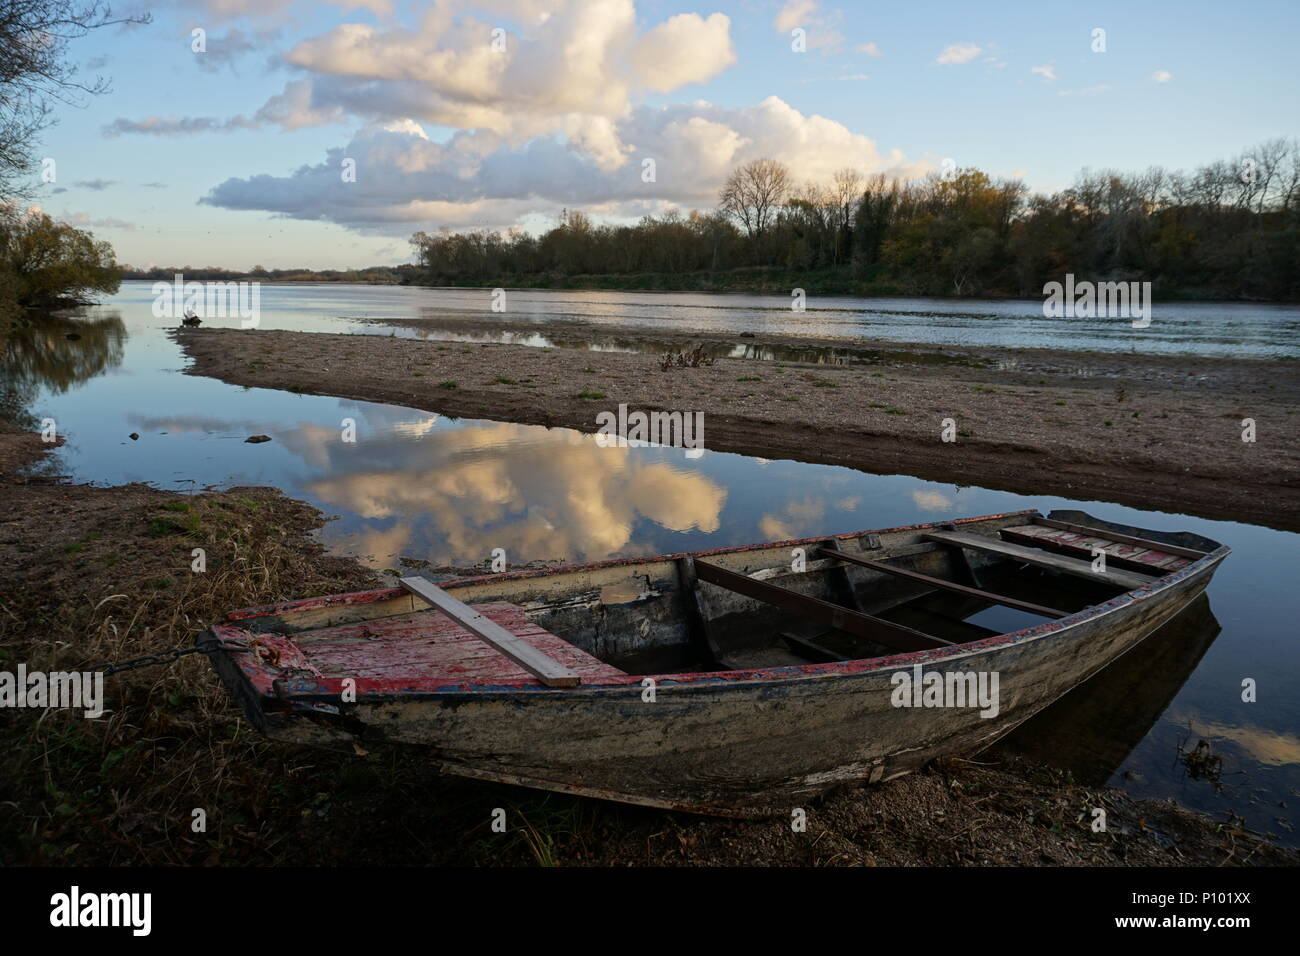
944, 585
841, 618
1056, 562
1121, 538
542, 666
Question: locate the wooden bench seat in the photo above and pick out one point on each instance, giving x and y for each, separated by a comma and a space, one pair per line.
428, 645
1082, 542
1116, 577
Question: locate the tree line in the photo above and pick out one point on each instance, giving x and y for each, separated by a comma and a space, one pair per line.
1227, 229
374, 275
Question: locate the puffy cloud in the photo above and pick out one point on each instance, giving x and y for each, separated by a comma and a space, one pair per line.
583, 58
684, 49
1162, 76
548, 493
1047, 72
959, 53
481, 178
572, 65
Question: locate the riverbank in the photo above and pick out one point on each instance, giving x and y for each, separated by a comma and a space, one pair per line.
97, 574
769, 280
1156, 432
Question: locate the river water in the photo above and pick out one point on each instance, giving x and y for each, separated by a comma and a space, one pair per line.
415, 485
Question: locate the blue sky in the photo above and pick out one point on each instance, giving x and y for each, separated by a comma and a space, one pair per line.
445, 134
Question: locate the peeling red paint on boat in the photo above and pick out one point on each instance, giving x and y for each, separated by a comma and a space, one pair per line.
271, 680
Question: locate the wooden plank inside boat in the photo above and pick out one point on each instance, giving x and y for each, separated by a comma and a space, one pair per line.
426, 646
839, 618
944, 585
1056, 562
545, 668
1134, 556
1126, 538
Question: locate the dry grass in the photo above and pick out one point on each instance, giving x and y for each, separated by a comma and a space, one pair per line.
95, 575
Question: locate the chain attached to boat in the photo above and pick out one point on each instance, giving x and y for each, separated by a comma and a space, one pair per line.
209, 645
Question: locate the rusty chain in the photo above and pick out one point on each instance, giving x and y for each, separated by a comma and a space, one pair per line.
209, 645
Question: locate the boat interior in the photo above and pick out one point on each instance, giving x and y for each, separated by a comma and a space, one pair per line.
951, 587
819, 601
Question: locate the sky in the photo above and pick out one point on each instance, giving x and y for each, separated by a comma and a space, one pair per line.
323, 134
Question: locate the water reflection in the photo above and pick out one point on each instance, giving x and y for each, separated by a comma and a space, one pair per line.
1093, 732
55, 354
537, 493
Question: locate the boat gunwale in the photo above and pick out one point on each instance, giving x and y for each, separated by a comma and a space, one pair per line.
382, 594
314, 691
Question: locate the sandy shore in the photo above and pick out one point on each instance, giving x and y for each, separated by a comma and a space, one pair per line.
1161, 433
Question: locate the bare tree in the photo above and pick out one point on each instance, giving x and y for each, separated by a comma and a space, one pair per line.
753, 193
848, 190
35, 73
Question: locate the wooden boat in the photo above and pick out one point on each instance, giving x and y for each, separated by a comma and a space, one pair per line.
738, 681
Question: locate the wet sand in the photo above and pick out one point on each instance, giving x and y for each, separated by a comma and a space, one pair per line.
1155, 432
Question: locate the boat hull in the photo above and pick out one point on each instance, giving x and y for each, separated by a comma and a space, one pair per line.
752, 743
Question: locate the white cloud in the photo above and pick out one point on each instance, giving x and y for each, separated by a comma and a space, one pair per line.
577, 65
1047, 72
1162, 76
795, 13
483, 179
959, 53
684, 49
821, 26
870, 49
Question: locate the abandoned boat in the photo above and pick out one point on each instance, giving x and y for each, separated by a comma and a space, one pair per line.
737, 681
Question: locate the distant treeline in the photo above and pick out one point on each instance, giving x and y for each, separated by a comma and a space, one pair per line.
375, 274
1228, 229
